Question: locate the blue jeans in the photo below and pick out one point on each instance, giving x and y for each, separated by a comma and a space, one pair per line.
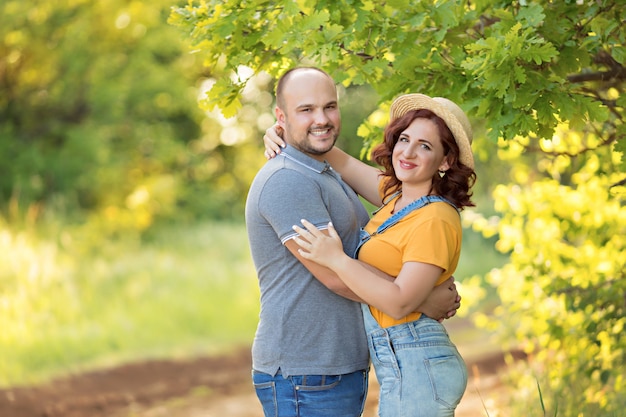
311, 395
420, 371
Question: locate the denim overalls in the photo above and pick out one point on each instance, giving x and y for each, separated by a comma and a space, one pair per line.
420, 371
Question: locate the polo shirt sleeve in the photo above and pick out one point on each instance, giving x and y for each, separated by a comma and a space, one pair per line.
289, 196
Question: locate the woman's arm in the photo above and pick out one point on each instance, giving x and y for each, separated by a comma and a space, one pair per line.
396, 298
442, 302
361, 177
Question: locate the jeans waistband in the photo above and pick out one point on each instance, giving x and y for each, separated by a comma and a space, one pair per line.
422, 325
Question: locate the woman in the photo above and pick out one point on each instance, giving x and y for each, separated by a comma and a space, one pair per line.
426, 179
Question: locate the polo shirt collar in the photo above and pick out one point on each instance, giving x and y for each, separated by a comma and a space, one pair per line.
305, 160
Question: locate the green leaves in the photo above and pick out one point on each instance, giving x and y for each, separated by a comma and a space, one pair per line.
508, 67
315, 21
225, 93
503, 55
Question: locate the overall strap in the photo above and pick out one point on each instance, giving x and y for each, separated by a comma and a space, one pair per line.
419, 203
395, 218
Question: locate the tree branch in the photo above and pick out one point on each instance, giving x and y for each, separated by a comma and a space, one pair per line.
617, 184
618, 74
604, 142
616, 70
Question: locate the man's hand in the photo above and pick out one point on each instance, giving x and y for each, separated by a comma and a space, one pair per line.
443, 302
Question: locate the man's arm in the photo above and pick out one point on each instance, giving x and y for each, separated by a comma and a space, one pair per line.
442, 302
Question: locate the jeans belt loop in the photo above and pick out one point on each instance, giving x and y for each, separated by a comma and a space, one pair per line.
412, 327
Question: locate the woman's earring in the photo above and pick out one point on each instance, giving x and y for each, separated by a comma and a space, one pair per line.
442, 174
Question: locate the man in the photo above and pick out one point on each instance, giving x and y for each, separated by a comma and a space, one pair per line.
310, 355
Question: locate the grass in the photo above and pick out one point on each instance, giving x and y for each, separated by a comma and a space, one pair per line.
67, 305
188, 291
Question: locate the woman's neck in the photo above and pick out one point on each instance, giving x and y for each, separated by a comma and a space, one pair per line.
416, 191
410, 194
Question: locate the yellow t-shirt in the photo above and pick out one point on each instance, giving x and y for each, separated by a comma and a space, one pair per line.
431, 234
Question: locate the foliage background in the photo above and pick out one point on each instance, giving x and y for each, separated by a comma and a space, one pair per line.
117, 189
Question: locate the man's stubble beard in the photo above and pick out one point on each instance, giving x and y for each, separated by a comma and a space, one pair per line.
306, 147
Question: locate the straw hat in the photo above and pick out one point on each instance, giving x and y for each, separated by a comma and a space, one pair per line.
455, 119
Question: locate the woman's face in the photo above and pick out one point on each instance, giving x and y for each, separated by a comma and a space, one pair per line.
418, 153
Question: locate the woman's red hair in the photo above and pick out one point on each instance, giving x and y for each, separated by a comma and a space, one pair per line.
454, 185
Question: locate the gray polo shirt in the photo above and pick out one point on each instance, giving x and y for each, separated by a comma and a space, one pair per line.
304, 328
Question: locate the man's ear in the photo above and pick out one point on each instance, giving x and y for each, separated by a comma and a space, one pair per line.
280, 117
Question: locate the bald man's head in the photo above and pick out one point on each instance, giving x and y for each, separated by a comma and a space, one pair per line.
284, 80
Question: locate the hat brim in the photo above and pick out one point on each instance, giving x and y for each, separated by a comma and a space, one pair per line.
437, 105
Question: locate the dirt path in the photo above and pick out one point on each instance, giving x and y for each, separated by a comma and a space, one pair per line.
204, 387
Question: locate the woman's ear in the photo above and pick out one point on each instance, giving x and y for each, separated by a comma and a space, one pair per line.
445, 165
